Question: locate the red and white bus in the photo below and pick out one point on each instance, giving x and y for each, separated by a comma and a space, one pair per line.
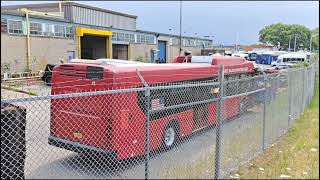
115, 123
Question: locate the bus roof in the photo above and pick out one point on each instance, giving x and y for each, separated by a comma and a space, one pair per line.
125, 65
293, 55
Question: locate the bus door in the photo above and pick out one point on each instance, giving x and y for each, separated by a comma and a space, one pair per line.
200, 110
200, 117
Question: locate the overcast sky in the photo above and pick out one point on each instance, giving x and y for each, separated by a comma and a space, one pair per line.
223, 20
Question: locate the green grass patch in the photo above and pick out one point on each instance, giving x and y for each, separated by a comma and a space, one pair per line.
295, 154
18, 90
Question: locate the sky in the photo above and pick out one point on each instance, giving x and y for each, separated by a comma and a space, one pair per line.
226, 22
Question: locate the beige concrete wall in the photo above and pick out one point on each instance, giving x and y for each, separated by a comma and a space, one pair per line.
13, 53
141, 51
49, 50
174, 51
43, 50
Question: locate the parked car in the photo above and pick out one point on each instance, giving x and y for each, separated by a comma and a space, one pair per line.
46, 77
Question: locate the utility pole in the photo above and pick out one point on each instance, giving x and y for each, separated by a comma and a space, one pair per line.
289, 44
310, 43
295, 42
180, 40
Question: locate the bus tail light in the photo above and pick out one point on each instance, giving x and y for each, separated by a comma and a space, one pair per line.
124, 119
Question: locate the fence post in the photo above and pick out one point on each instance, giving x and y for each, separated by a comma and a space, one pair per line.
219, 123
147, 126
289, 97
303, 79
264, 113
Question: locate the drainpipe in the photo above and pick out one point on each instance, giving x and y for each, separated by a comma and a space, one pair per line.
28, 40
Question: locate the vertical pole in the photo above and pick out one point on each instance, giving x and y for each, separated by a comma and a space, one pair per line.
303, 83
180, 39
310, 42
147, 126
289, 44
289, 96
264, 113
28, 40
147, 135
295, 42
219, 122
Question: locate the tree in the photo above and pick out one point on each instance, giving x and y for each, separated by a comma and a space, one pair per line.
280, 34
315, 39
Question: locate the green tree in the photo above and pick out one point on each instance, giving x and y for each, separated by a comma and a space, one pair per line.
315, 39
281, 34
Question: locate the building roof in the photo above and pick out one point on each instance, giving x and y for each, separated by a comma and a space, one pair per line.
17, 13
14, 7
171, 35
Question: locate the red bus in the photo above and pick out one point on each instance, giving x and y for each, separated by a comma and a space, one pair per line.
115, 123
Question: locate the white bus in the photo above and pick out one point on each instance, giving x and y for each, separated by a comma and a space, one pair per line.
290, 59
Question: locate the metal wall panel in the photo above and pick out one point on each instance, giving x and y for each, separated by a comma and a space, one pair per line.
98, 18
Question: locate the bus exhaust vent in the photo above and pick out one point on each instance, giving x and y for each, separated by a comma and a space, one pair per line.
70, 70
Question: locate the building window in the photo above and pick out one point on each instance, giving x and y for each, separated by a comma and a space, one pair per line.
120, 36
15, 27
125, 37
4, 27
69, 31
207, 44
149, 39
35, 28
59, 31
175, 41
114, 36
141, 38
48, 30
129, 37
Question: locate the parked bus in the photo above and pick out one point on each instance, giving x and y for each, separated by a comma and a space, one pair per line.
268, 57
252, 56
115, 123
290, 59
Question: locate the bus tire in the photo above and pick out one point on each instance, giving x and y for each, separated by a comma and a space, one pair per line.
170, 135
48, 80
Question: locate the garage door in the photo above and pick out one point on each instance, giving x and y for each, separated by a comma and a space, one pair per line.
120, 51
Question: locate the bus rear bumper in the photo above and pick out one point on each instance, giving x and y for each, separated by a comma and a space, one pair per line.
78, 147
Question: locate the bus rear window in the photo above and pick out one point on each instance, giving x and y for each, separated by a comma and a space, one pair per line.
94, 72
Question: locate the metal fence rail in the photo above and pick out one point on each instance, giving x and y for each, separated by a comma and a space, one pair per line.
187, 130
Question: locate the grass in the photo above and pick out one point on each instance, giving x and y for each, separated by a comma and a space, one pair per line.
18, 90
296, 154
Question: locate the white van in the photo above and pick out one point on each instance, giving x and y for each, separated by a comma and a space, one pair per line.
290, 59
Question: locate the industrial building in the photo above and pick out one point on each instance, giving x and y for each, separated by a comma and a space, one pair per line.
62, 31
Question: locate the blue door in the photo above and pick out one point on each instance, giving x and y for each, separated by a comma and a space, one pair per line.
162, 47
152, 56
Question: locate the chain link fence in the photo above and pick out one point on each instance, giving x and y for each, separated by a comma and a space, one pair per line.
196, 129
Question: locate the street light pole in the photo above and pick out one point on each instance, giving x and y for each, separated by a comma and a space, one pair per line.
295, 41
180, 41
170, 44
289, 44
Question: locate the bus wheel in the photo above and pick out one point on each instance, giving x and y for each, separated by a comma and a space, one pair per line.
48, 80
170, 135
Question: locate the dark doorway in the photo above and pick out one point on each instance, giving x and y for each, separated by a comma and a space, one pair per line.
93, 47
120, 51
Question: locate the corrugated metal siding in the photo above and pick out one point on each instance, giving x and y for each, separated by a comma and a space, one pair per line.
98, 18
